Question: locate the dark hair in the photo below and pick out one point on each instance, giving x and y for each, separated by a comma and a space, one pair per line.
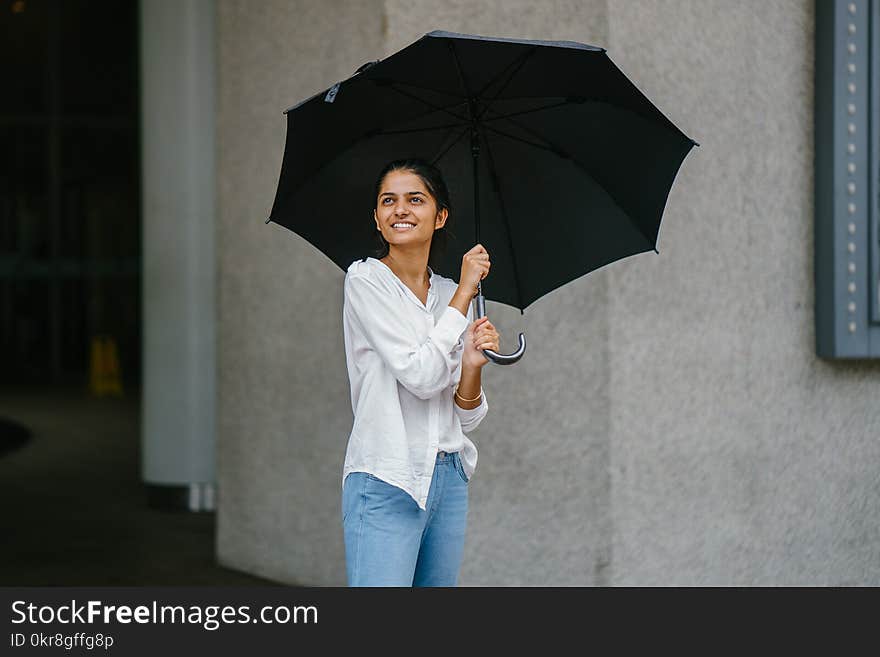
433, 180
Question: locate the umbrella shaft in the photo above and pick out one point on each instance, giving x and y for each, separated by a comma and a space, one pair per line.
475, 153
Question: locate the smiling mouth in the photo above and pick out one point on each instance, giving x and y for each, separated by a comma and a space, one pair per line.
403, 226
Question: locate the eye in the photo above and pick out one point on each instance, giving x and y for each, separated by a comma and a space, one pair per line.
387, 198
418, 198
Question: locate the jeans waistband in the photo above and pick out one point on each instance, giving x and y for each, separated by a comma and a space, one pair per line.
445, 456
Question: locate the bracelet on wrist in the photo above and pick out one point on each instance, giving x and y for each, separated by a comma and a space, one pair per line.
468, 400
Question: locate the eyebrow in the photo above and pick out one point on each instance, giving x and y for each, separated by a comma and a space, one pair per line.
393, 194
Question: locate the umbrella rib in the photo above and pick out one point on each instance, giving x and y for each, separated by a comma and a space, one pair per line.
553, 148
541, 97
525, 141
433, 127
529, 111
522, 60
513, 63
421, 116
464, 86
451, 144
418, 86
428, 103
496, 184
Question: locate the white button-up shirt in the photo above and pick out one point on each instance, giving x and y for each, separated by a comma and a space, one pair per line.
404, 361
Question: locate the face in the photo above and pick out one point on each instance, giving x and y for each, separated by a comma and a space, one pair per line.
404, 199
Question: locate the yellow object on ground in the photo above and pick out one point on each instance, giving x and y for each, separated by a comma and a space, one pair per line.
105, 377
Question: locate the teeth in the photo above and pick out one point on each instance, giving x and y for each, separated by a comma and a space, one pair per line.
402, 225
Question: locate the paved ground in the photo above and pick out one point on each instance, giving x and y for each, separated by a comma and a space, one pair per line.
73, 508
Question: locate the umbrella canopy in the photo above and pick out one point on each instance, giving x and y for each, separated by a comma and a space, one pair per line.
556, 163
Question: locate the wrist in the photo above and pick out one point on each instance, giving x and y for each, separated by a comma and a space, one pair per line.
461, 301
469, 391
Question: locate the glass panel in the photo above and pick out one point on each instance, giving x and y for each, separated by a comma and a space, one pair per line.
100, 214
23, 56
98, 57
74, 343
29, 357
24, 208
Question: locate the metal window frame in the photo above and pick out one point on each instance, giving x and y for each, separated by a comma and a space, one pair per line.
847, 255
874, 219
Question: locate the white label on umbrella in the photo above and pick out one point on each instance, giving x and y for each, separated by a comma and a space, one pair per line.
331, 95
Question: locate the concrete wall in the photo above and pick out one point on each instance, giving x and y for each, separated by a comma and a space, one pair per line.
738, 457
693, 439
283, 395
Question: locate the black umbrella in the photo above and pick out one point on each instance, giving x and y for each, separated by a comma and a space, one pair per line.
555, 161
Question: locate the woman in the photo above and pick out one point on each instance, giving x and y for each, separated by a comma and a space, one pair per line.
414, 363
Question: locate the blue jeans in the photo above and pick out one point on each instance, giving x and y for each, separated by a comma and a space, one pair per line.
390, 541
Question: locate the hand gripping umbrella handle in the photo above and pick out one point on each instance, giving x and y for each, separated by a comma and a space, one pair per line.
494, 356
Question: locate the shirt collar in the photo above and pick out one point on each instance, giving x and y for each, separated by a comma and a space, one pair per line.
432, 288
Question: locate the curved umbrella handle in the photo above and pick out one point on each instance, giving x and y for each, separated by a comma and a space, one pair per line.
494, 356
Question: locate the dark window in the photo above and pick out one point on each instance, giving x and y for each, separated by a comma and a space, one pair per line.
69, 188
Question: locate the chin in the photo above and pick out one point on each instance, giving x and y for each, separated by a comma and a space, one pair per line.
406, 239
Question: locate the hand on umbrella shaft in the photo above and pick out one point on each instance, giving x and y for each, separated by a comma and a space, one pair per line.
475, 267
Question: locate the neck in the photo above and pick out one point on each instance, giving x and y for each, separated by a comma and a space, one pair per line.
410, 267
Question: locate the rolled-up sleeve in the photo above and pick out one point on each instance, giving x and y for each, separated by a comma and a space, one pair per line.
423, 369
470, 418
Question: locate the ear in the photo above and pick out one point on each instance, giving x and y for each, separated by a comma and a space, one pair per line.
376, 219
440, 221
